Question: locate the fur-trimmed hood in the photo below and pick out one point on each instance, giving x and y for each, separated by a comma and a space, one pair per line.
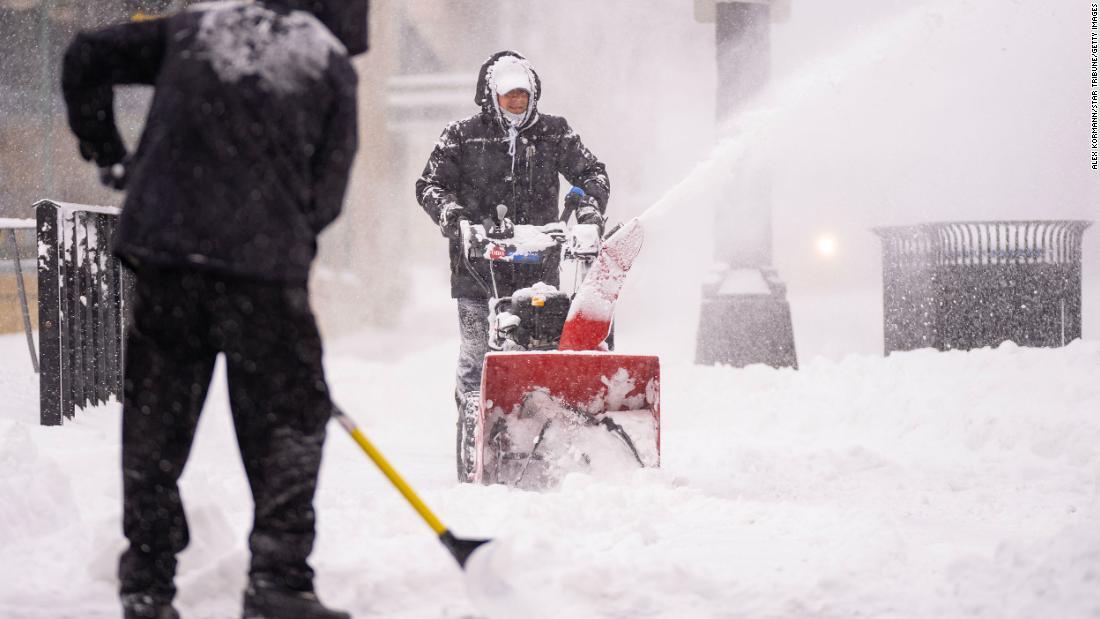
484, 96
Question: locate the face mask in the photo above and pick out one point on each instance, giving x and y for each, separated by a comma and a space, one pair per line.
513, 119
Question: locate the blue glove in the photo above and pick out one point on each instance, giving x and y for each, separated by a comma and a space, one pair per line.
574, 198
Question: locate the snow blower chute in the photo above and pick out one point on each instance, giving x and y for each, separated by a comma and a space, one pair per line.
554, 399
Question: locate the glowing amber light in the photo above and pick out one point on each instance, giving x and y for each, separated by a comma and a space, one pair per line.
826, 246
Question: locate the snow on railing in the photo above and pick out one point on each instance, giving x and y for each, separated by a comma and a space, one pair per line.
982, 242
82, 289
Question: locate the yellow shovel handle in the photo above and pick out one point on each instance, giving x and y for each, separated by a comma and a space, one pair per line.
390, 473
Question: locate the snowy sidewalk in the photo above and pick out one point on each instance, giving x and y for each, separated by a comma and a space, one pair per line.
923, 485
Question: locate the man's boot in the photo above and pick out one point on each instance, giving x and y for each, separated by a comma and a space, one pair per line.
277, 603
145, 606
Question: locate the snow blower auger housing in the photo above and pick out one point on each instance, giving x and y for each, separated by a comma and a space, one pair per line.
544, 411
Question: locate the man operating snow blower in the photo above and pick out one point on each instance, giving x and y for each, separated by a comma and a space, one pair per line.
243, 161
500, 167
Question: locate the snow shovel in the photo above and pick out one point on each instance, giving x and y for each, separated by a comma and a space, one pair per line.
460, 548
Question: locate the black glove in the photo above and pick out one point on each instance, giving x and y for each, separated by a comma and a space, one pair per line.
115, 176
589, 214
449, 216
584, 207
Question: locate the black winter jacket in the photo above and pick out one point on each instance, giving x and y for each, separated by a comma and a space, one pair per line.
251, 133
470, 166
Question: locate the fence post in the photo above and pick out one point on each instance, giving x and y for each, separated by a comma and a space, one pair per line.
82, 292
49, 315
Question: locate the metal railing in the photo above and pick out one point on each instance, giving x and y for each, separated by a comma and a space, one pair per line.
11, 226
962, 285
82, 289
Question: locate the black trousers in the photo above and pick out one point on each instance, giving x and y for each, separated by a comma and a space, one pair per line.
182, 319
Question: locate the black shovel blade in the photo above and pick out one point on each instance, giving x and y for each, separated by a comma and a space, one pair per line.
461, 549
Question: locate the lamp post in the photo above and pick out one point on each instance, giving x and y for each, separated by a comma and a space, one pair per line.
745, 317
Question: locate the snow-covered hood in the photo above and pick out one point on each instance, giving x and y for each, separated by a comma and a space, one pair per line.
484, 95
347, 19
287, 53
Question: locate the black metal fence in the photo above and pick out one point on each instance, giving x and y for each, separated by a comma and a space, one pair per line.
81, 294
971, 284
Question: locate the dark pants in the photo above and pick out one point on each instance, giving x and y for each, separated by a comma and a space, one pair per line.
182, 319
473, 329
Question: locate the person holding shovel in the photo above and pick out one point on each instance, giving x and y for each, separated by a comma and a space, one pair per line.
244, 159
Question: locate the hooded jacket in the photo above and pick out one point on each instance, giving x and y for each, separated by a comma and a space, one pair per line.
478, 165
250, 136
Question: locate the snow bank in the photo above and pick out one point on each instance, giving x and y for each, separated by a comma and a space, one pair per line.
924, 484
37, 493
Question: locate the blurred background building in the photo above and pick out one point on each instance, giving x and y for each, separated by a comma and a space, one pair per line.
877, 113
419, 75
415, 79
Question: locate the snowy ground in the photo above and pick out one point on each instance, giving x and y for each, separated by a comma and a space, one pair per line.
923, 485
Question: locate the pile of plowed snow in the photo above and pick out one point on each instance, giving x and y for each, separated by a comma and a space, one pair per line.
920, 485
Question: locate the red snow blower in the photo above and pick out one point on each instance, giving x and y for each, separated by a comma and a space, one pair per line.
554, 399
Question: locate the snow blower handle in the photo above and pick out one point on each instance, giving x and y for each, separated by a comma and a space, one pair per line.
465, 236
499, 226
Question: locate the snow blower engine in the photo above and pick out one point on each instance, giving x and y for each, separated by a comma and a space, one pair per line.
546, 410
